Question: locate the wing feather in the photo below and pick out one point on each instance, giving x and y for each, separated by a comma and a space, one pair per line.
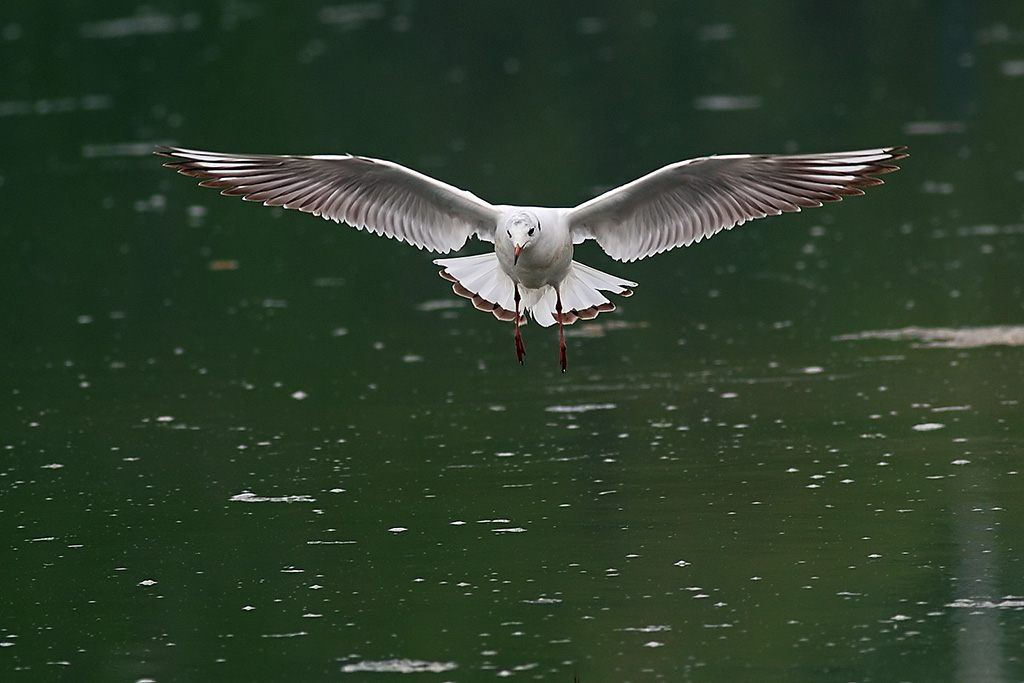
379, 196
685, 202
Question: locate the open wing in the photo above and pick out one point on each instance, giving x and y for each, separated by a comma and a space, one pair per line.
685, 202
370, 194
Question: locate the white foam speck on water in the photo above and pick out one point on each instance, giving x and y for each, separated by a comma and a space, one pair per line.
727, 102
440, 305
56, 105
398, 666
582, 408
144, 22
99, 150
947, 409
928, 426
1009, 602
319, 542
1012, 67
250, 497
653, 628
352, 15
934, 127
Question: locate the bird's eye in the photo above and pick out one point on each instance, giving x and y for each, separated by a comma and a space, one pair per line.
530, 232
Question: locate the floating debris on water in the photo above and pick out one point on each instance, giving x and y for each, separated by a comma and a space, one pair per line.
946, 337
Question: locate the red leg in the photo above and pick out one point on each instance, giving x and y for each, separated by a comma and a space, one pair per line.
520, 347
561, 331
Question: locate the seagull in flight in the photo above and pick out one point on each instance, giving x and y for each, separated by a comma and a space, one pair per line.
531, 269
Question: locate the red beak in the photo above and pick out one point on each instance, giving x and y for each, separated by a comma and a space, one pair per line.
515, 254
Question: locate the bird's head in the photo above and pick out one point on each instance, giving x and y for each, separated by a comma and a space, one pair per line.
523, 229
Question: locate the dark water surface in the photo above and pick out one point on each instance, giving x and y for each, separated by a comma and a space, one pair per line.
243, 444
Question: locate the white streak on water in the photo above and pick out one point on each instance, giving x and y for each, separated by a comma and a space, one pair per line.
398, 666
250, 497
583, 408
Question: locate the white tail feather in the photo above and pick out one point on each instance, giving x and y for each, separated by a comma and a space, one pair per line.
481, 279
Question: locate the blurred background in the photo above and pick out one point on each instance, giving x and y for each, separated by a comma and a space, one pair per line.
241, 443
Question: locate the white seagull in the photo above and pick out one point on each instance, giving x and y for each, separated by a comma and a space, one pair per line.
531, 268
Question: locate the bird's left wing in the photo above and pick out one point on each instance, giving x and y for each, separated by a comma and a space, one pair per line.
687, 201
370, 194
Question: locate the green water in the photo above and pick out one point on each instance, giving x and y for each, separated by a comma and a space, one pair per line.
243, 444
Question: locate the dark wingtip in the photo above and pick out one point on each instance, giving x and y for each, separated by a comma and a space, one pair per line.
895, 154
164, 151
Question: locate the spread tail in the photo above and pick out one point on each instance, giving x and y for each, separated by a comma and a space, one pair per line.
480, 279
581, 293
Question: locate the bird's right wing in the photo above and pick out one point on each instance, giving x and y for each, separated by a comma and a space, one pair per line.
370, 194
685, 202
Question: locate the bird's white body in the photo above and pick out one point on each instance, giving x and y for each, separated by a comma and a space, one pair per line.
547, 261
531, 268
543, 272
